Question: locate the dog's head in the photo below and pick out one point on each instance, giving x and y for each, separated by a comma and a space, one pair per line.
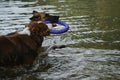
42, 16
39, 29
38, 16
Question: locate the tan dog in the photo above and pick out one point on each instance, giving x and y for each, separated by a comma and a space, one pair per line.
38, 16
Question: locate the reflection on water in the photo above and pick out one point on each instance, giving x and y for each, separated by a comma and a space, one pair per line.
93, 40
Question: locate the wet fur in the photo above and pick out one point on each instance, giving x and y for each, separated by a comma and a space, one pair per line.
20, 49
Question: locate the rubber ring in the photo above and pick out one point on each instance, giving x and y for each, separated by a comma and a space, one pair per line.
63, 30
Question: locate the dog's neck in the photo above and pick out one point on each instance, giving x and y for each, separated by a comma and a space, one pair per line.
39, 21
25, 31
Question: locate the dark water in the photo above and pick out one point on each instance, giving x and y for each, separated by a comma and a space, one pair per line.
93, 51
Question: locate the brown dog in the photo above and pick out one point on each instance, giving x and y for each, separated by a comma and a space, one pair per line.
21, 48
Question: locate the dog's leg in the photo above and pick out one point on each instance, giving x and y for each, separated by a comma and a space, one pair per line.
12, 33
47, 48
58, 46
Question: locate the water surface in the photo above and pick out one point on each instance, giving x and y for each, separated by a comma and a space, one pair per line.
93, 41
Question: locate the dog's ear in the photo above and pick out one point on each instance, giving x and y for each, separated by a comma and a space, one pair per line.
34, 28
35, 11
43, 29
39, 29
34, 17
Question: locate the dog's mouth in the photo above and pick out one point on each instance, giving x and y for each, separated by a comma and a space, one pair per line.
51, 18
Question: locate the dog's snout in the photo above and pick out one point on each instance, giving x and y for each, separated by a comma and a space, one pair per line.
51, 18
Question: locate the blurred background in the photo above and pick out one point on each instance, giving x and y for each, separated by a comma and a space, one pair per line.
93, 41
